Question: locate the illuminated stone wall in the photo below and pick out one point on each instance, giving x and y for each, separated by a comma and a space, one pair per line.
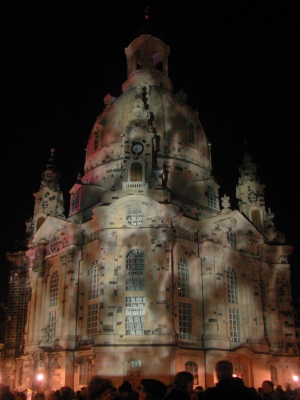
151, 273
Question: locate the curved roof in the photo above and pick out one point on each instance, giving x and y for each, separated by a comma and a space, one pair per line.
170, 118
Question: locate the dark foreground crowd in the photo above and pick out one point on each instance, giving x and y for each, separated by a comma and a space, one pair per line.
227, 388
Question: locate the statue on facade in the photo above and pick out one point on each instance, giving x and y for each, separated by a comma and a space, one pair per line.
138, 116
46, 333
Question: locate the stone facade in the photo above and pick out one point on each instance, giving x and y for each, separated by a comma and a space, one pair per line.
148, 275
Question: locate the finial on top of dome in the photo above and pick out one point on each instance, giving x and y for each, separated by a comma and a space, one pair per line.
52, 155
147, 27
147, 13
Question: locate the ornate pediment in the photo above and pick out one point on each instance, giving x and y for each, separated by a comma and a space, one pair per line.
48, 229
134, 211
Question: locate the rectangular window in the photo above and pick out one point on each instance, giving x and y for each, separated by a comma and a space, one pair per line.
232, 286
183, 233
54, 289
94, 275
183, 281
192, 133
94, 235
192, 368
185, 320
76, 199
135, 315
52, 325
211, 197
97, 137
135, 271
84, 373
234, 321
92, 321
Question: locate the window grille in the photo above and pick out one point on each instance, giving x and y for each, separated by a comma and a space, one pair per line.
52, 325
53, 289
234, 322
232, 286
92, 320
211, 197
135, 270
183, 278
94, 275
185, 320
76, 198
135, 315
192, 367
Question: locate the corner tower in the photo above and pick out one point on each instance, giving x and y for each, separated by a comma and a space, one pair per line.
251, 197
250, 193
49, 199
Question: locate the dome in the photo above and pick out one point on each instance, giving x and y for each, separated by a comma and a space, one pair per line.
150, 115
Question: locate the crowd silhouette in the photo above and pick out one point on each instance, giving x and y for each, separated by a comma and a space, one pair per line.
228, 387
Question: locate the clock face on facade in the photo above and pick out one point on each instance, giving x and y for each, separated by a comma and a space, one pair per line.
137, 148
252, 197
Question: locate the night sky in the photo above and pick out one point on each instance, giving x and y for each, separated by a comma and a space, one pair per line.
235, 60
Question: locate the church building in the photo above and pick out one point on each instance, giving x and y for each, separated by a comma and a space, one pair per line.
151, 273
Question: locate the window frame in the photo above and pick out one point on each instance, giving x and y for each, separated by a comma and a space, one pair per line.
183, 278
135, 309
94, 280
185, 321
135, 271
212, 198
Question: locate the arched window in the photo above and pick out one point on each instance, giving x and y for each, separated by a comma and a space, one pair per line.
192, 367
238, 370
54, 244
75, 201
231, 237
183, 278
211, 197
252, 197
256, 219
232, 287
135, 270
136, 172
94, 275
53, 289
134, 373
40, 222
